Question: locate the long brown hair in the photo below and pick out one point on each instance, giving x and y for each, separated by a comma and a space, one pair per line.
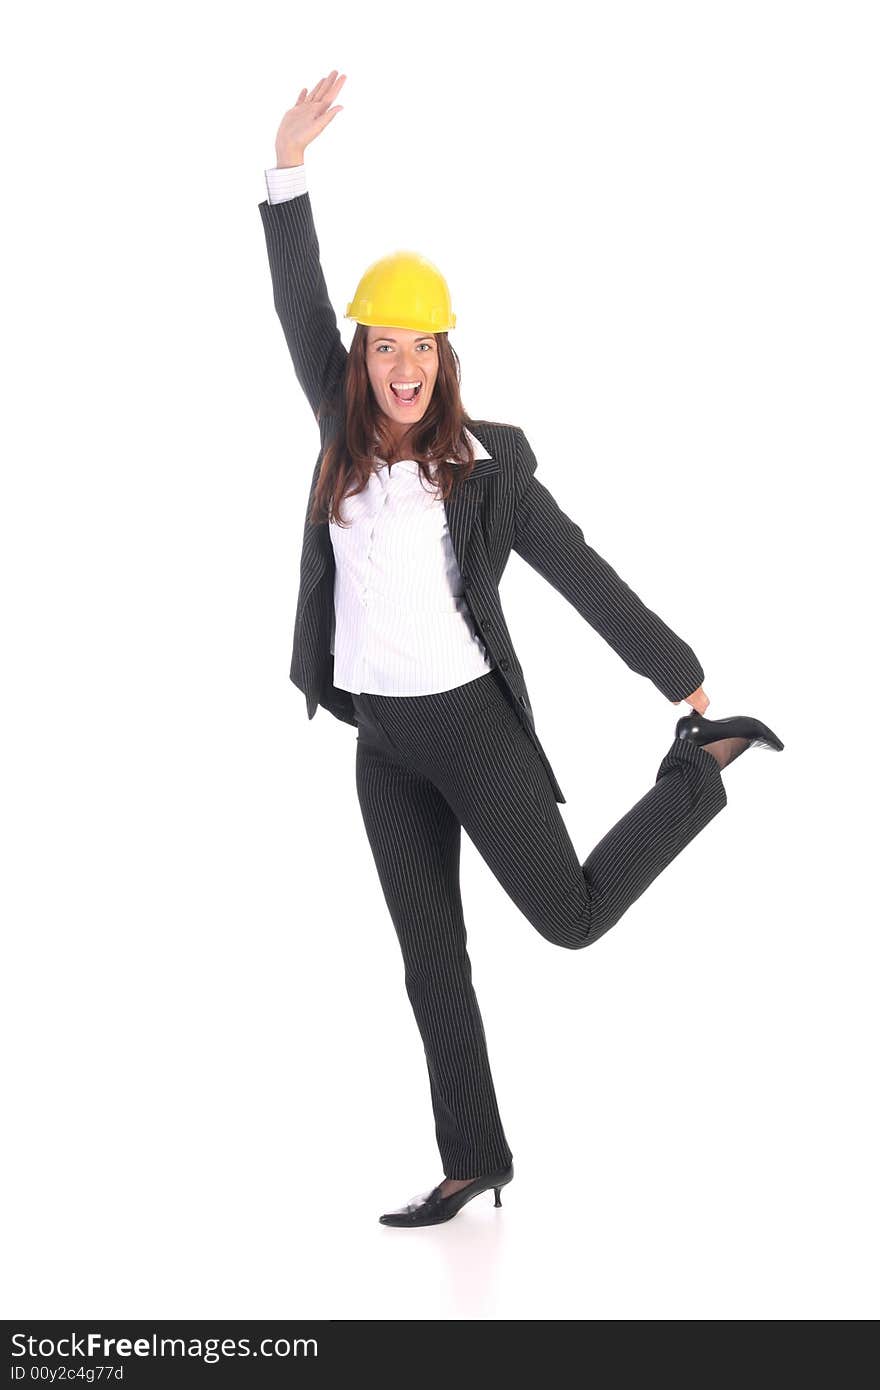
366, 432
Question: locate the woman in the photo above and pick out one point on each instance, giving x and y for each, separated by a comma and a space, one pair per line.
413, 511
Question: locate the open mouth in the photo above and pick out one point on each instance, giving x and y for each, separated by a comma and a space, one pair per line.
406, 394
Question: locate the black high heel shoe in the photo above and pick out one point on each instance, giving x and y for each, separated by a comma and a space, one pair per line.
700, 730
430, 1208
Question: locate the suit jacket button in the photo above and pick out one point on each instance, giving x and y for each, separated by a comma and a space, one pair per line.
503, 663
465, 579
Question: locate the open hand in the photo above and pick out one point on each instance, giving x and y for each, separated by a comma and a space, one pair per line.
307, 119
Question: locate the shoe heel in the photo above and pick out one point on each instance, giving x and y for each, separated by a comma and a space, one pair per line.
498, 1196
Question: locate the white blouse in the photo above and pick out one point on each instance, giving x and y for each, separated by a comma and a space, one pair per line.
402, 625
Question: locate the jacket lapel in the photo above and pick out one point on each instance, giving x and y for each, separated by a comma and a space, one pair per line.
463, 502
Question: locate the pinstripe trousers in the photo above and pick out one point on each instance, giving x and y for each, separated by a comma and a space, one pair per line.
428, 765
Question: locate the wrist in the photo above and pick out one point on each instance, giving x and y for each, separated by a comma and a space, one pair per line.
289, 159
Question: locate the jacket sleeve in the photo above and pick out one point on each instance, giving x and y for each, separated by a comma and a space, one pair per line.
301, 299
554, 545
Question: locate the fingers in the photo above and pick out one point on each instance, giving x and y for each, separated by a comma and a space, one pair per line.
318, 90
332, 90
327, 88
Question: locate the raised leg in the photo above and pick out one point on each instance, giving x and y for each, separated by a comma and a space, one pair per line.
496, 785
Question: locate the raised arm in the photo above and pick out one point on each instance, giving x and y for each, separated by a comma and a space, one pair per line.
300, 290
554, 545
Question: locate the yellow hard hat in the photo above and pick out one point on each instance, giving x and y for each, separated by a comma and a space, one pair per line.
403, 290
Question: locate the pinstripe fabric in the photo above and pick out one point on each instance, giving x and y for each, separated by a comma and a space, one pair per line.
501, 506
428, 766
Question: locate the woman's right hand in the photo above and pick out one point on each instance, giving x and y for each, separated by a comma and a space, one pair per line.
306, 119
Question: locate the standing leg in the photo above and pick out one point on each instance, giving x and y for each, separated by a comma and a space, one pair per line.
416, 840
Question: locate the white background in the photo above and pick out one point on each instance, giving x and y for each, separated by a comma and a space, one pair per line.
659, 226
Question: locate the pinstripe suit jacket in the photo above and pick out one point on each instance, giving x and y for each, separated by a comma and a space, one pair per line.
502, 506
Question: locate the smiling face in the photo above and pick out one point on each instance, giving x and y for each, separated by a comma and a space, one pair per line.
404, 358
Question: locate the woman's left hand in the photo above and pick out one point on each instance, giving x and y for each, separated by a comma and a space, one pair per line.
699, 700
